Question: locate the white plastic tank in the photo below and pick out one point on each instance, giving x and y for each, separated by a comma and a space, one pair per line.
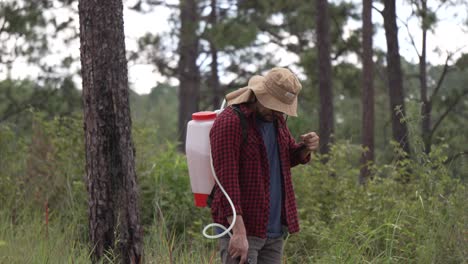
197, 149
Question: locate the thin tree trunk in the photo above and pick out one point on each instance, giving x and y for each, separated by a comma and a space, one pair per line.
188, 72
325, 80
426, 104
367, 92
110, 167
214, 78
395, 76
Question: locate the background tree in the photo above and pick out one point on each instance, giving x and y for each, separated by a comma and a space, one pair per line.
427, 20
110, 167
288, 25
20, 25
324, 76
427, 16
395, 76
187, 69
214, 77
24, 38
367, 91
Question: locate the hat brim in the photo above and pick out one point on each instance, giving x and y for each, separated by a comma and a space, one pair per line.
246, 94
239, 96
269, 101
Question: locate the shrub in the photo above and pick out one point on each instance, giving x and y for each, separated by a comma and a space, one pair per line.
420, 221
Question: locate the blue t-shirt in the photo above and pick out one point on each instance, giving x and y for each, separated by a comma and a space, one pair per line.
268, 131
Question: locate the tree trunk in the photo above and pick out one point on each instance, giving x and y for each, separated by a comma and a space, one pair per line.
395, 76
214, 78
188, 72
110, 168
324, 75
367, 92
426, 104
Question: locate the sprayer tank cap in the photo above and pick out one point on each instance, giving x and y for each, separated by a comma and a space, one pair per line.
204, 116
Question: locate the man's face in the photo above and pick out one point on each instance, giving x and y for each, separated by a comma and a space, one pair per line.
264, 113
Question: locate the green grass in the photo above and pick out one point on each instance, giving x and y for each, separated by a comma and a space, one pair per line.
375, 225
421, 221
30, 241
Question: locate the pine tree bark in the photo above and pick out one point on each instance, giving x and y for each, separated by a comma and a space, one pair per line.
214, 78
188, 71
326, 127
367, 92
110, 168
395, 76
426, 103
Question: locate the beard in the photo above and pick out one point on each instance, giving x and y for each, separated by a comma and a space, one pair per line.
266, 117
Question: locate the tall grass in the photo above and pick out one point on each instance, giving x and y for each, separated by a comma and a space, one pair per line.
162, 246
29, 240
422, 220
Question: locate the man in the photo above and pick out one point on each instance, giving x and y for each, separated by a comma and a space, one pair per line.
255, 171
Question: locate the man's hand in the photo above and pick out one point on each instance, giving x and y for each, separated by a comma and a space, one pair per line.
238, 244
311, 141
238, 247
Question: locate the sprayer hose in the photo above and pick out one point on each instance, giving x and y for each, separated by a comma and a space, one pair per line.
234, 215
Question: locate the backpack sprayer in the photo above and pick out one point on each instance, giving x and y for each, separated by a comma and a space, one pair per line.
200, 164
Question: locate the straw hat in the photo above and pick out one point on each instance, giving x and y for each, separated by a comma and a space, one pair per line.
278, 91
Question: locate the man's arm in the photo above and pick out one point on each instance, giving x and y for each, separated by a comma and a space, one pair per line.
225, 141
300, 153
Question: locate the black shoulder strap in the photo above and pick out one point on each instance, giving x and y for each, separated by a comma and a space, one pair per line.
243, 121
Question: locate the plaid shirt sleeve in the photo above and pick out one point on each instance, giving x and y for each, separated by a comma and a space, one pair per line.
225, 140
295, 150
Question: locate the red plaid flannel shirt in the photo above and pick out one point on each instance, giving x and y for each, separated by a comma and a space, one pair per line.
242, 169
